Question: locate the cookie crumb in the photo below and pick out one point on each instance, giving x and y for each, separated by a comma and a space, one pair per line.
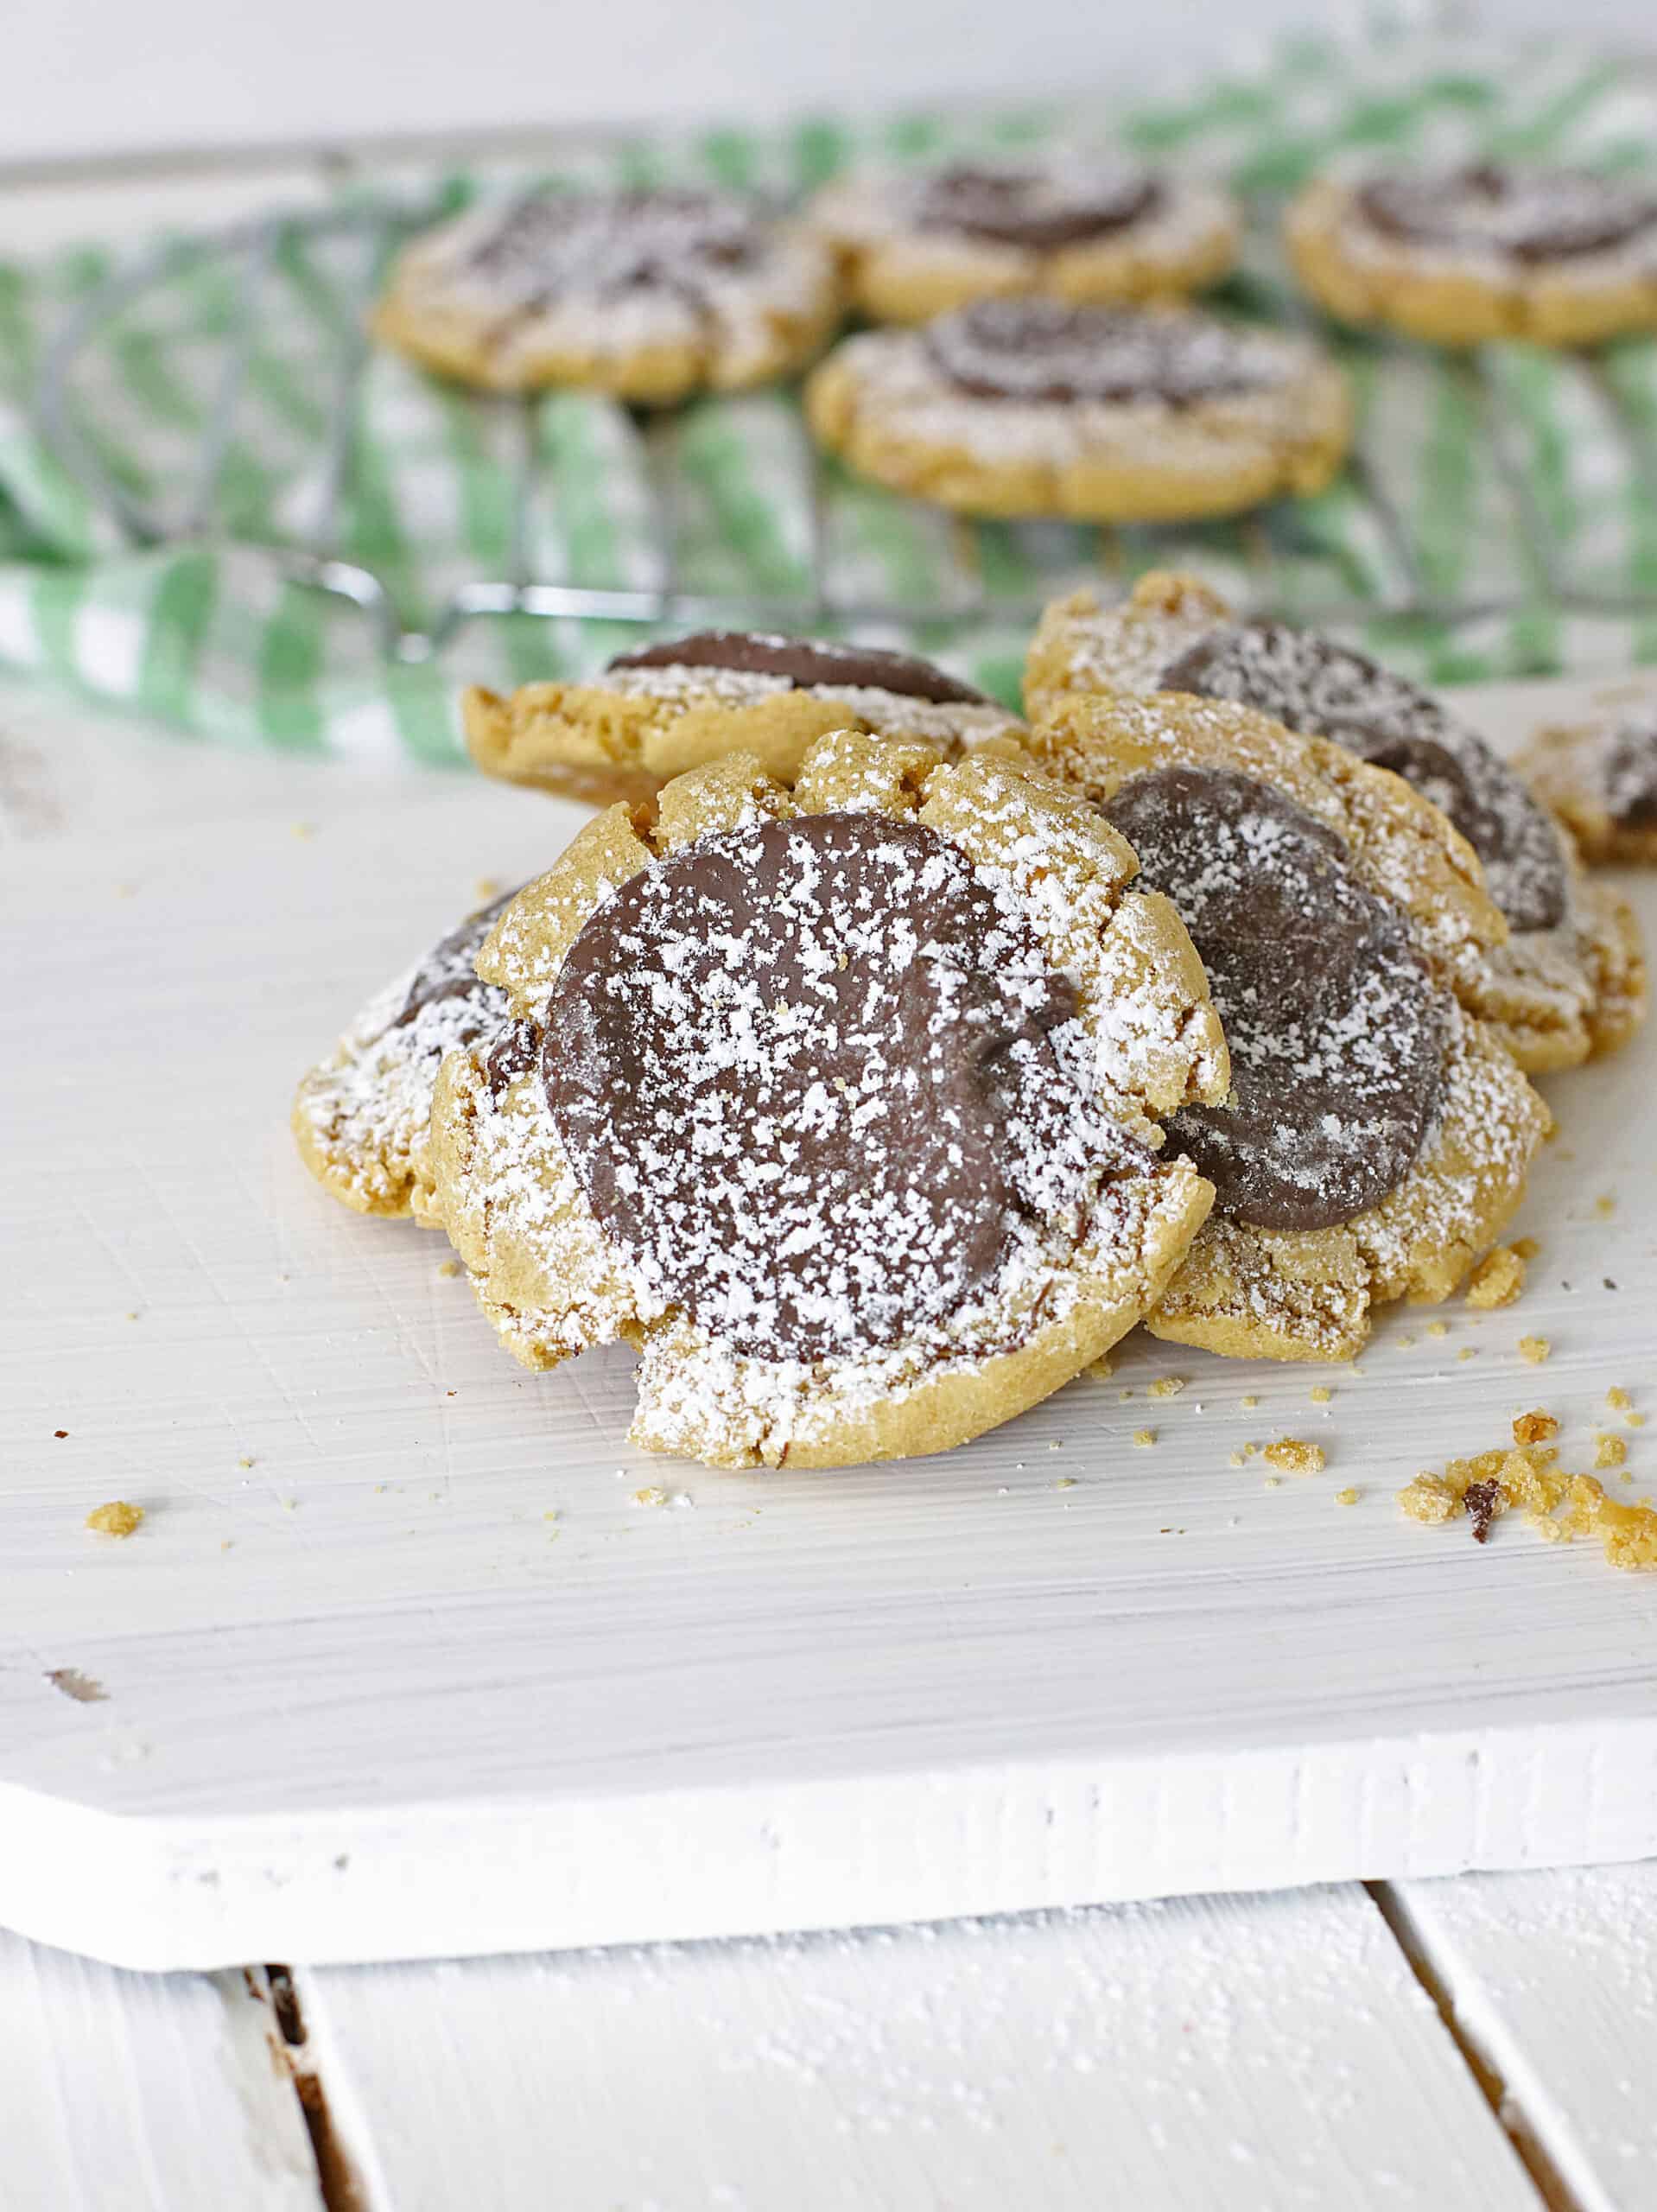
651, 1494
485, 888
448, 1267
1406, 1344
1498, 1279
59, 1432
1295, 1456
1483, 1501
1534, 1350
1560, 1508
1274, 1482
1438, 1329
245, 1461
1122, 1397
1467, 1351
1167, 1386
1349, 1496
1250, 1402
117, 1518
1430, 1499
1609, 1451
1235, 1459
1065, 1481
1605, 1207
1525, 1248
1322, 1394
1102, 1367
1145, 1437
1538, 1428
1618, 1400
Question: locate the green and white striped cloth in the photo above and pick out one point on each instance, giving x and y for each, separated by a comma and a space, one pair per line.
205, 632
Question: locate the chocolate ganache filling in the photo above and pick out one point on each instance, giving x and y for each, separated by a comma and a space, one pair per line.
1529, 215
1044, 350
1323, 690
814, 1076
806, 661
1338, 1036
601, 245
1629, 775
1041, 209
448, 971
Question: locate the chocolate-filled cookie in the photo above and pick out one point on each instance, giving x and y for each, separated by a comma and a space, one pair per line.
361, 1117
1569, 981
1599, 777
1035, 407
1377, 1135
680, 701
840, 1099
1094, 228
1458, 257
650, 295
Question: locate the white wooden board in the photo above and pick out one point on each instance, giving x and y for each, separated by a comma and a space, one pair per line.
132, 2092
363, 1701
1220, 2053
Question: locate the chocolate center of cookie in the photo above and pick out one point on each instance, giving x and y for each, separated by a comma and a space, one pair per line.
447, 970
1337, 1035
1629, 775
1040, 209
1529, 215
603, 246
1040, 349
804, 661
813, 1076
1323, 690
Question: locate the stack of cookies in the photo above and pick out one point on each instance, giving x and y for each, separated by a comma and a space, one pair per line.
874, 1060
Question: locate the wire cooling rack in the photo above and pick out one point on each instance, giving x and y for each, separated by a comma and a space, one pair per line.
1534, 549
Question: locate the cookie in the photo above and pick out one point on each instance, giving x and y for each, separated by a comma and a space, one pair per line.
1569, 981
669, 707
1378, 1134
361, 1118
1090, 228
651, 296
1599, 777
1034, 407
1559, 257
839, 1100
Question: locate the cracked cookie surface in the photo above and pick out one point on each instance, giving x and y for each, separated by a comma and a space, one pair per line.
840, 1099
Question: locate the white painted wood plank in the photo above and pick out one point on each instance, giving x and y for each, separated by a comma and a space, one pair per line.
142, 2092
1554, 1980
401, 1715
1220, 2053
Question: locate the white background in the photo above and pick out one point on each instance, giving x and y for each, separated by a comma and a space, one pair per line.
87, 78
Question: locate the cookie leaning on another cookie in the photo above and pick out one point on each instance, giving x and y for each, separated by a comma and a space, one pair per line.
1032, 407
1460, 256
651, 296
361, 1118
1378, 1135
1569, 981
1073, 226
675, 705
1600, 779
839, 1100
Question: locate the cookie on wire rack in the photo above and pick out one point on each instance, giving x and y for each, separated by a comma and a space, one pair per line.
682, 701
1378, 1134
1035, 407
651, 296
1570, 981
1599, 777
1459, 257
838, 1099
1094, 228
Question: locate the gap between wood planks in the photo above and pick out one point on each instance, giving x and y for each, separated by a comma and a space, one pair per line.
342, 2189
1516, 2124
338, 2183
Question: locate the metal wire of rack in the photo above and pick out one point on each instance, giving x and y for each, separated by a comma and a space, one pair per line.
312, 555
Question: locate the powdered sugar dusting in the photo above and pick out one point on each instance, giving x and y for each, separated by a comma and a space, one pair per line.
949, 724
